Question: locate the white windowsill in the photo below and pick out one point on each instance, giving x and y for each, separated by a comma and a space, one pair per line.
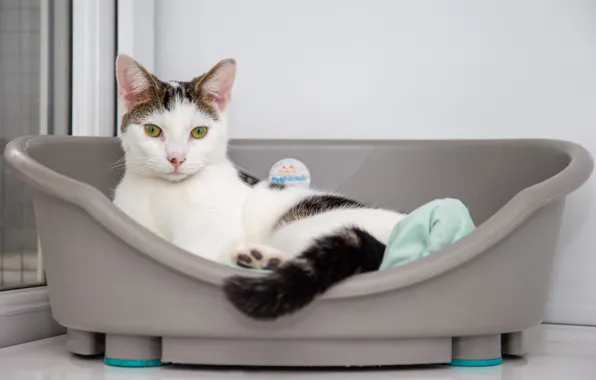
25, 316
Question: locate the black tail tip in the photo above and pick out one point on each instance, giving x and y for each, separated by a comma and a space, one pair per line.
254, 297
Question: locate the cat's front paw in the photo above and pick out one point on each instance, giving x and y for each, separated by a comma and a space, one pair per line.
256, 256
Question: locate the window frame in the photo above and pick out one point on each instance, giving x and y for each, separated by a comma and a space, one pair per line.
80, 35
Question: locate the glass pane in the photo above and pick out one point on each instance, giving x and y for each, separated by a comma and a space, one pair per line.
26, 73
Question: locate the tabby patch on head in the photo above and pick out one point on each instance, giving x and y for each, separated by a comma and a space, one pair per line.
142, 92
172, 129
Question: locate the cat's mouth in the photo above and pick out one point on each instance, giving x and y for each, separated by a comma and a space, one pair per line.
174, 176
178, 174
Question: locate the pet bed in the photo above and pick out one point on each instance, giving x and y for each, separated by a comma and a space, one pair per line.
123, 291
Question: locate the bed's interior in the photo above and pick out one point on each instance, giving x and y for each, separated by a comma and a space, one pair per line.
398, 175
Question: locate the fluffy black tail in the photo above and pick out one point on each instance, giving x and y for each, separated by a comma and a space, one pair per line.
297, 282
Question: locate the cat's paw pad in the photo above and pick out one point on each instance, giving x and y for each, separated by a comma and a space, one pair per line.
258, 257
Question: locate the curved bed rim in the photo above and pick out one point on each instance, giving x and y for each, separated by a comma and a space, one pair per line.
495, 229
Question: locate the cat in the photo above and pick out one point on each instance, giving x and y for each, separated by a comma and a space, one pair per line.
179, 183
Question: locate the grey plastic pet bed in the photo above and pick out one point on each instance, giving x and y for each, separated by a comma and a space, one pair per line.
121, 290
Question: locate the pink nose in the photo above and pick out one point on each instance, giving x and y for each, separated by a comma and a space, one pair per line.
176, 160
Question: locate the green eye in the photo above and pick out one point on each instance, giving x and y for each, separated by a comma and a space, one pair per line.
198, 132
152, 130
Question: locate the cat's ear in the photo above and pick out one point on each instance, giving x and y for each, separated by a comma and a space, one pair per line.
215, 87
135, 83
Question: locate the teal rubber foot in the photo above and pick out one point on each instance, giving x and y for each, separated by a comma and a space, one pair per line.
476, 363
132, 363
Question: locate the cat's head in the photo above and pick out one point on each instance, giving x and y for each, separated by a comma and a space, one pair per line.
172, 130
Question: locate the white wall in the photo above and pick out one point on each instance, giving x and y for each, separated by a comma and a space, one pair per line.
408, 69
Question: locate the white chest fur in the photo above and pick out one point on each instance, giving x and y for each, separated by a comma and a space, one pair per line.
201, 214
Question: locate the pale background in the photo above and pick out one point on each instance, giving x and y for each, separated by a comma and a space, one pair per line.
408, 69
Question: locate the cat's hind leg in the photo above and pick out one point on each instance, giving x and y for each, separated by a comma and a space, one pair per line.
327, 260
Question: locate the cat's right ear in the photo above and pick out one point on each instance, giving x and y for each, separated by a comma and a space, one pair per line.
135, 83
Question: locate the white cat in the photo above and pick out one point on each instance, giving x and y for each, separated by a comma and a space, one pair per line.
180, 184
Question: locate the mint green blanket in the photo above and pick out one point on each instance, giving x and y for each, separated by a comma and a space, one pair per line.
427, 230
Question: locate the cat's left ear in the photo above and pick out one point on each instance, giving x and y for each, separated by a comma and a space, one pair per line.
215, 87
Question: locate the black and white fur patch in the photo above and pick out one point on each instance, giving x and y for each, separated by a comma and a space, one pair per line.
247, 178
276, 186
316, 204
